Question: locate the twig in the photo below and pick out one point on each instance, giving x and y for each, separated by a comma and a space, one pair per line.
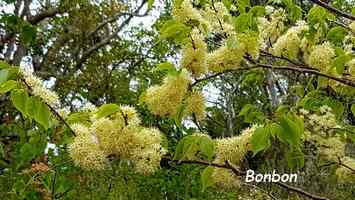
333, 10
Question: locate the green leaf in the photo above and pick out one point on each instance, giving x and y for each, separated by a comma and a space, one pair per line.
41, 113
260, 140
318, 14
353, 109
207, 147
339, 63
4, 73
106, 110
282, 109
295, 159
179, 150
19, 98
337, 34
166, 67
175, 30
206, 178
257, 11
8, 86
243, 5
80, 117
242, 22
4, 65
292, 130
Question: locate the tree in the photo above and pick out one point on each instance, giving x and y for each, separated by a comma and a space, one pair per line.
282, 71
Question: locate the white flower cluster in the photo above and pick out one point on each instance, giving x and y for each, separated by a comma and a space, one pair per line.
233, 150
38, 89
321, 123
321, 127
194, 54
271, 29
288, 45
120, 136
321, 56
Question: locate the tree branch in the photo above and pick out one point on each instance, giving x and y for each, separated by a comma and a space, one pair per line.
287, 68
49, 13
333, 10
239, 172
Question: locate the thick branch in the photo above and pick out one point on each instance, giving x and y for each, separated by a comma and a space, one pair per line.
333, 10
51, 12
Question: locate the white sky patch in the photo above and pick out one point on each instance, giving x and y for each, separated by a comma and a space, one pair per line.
53, 147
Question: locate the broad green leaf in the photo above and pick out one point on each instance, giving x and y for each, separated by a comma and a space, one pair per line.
337, 34
179, 150
318, 14
242, 22
353, 109
106, 110
4, 73
41, 113
207, 147
19, 98
340, 61
206, 178
167, 67
260, 140
175, 30
274, 129
80, 117
8, 86
292, 130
